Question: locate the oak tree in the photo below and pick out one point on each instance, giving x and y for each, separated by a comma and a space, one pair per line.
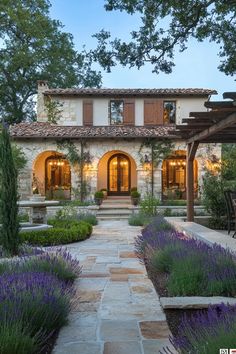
34, 47
167, 25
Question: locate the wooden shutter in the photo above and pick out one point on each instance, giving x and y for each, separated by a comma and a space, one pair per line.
129, 112
87, 112
153, 111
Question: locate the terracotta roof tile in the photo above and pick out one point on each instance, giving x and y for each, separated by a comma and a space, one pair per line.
47, 130
131, 92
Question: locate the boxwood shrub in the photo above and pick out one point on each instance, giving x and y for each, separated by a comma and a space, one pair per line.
64, 232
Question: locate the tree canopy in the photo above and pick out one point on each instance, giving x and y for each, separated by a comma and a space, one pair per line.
166, 26
34, 47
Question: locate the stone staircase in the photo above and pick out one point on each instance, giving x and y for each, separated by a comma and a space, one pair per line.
115, 208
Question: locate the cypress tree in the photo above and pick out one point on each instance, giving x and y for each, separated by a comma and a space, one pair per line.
10, 224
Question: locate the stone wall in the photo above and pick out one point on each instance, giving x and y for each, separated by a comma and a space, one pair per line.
98, 149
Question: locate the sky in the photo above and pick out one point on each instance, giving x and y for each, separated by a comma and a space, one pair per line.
196, 67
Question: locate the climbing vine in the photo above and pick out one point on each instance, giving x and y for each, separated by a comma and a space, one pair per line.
157, 151
54, 110
78, 158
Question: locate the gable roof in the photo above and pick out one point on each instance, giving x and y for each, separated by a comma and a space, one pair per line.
40, 130
111, 92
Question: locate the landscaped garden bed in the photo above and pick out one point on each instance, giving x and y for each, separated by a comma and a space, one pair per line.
182, 266
35, 299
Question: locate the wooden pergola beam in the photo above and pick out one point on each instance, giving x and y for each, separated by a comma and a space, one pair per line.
231, 95
191, 152
225, 123
219, 104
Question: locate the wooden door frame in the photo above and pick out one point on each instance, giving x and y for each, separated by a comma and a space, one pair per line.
108, 174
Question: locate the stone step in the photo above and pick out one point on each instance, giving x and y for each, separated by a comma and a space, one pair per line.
116, 201
114, 212
112, 217
114, 206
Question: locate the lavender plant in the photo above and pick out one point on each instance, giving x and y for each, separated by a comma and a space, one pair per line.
194, 267
207, 331
59, 263
38, 300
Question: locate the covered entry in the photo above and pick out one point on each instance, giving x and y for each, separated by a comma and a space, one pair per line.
119, 175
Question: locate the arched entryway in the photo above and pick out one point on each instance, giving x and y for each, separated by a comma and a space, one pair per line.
174, 176
52, 176
118, 175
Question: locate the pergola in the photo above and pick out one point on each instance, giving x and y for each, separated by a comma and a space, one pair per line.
217, 125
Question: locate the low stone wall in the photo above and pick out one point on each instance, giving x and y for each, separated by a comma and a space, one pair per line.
51, 211
174, 209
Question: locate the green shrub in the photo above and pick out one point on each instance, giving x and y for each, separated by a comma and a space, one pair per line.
213, 195
67, 212
75, 202
23, 217
174, 202
87, 217
149, 205
133, 189
138, 219
98, 194
135, 194
63, 234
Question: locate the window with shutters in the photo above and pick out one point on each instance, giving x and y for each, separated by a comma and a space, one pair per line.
116, 112
169, 112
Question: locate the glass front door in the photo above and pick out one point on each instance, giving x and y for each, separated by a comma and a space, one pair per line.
118, 175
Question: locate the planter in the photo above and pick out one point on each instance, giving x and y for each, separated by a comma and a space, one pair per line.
104, 194
98, 201
135, 201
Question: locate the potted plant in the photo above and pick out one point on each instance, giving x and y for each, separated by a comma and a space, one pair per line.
98, 197
104, 191
135, 197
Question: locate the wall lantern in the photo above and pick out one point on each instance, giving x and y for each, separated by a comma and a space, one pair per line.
147, 163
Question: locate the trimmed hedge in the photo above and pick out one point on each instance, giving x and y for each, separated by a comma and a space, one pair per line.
64, 232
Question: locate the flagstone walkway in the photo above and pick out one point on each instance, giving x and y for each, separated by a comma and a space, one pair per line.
118, 310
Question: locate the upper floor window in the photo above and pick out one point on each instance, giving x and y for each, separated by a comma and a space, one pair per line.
169, 112
116, 112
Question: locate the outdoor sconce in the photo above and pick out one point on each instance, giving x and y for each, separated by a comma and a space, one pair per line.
87, 160
147, 162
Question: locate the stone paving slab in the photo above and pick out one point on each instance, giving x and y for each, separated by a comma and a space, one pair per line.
117, 309
122, 348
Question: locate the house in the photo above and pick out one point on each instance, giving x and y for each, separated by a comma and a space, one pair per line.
113, 134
